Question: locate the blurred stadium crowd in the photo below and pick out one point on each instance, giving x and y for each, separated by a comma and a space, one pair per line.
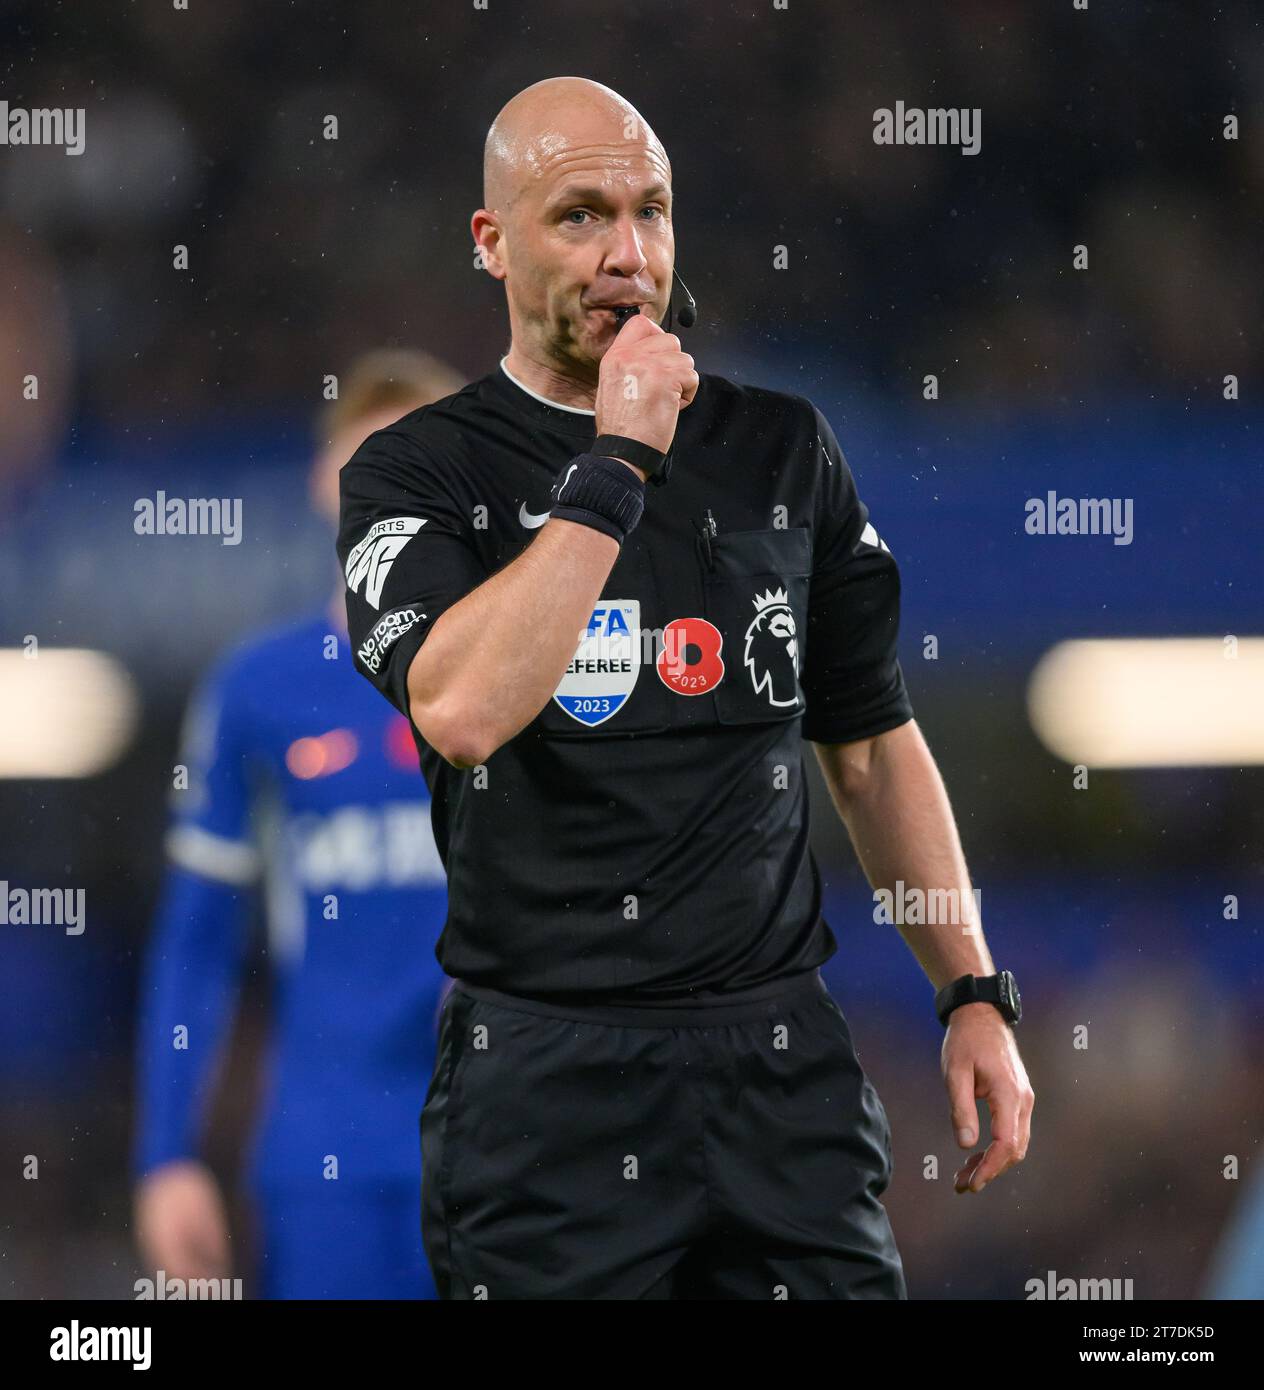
206, 129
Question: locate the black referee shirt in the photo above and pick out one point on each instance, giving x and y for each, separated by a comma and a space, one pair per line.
645, 837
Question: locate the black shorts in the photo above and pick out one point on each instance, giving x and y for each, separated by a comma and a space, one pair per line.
732, 1151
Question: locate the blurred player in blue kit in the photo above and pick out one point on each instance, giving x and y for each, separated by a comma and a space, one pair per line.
304, 787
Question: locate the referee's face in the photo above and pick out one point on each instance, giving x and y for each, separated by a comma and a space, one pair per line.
592, 230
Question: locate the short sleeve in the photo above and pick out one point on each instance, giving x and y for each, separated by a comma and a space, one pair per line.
211, 832
406, 551
852, 680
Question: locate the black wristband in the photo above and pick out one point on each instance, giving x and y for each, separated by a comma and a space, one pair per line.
655, 466
599, 492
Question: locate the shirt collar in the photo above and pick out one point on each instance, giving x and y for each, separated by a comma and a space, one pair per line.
544, 400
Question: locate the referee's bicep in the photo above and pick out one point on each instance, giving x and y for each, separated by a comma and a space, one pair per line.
851, 677
852, 680
385, 640
407, 556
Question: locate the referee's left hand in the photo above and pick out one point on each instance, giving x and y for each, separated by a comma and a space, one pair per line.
980, 1060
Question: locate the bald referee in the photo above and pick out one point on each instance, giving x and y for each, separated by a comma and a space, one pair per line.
614, 595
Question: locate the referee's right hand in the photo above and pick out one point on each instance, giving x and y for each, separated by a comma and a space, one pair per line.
644, 382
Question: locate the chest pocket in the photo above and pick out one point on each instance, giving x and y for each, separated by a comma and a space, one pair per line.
756, 591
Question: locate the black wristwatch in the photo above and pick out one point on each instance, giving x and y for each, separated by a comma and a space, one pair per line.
655, 466
1001, 990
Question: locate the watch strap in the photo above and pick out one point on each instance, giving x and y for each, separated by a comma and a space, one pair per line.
655, 465
980, 989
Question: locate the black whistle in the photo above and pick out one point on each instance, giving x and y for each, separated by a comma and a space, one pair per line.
624, 312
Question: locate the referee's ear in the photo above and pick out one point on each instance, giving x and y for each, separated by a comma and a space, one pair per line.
489, 240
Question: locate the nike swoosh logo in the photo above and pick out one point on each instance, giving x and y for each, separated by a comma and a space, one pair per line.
566, 480
530, 519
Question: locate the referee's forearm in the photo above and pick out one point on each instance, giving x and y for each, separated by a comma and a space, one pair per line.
493, 660
896, 809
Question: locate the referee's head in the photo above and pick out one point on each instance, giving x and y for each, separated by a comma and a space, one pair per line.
577, 219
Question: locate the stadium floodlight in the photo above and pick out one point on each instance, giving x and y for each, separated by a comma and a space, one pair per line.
1151, 702
64, 712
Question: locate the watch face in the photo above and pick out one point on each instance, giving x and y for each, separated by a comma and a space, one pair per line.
1010, 996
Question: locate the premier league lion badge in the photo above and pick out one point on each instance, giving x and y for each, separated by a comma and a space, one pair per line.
772, 649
